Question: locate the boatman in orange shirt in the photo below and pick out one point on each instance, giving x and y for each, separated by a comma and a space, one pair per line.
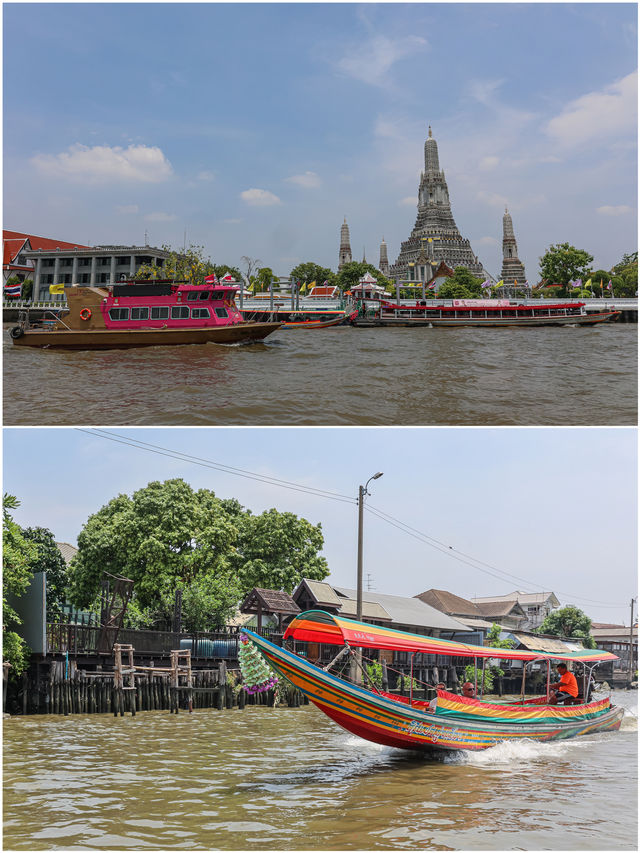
566, 688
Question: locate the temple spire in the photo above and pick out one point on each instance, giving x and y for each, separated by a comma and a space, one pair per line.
344, 255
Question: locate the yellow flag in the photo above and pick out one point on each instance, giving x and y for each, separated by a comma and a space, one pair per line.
587, 283
56, 288
500, 283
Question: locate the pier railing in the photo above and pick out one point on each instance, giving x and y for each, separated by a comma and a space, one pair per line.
83, 639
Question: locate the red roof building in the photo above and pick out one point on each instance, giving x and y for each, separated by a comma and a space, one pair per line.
16, 243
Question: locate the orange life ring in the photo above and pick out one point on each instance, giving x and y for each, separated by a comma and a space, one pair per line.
85, 314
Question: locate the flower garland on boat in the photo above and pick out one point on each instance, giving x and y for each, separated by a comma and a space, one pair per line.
256, 673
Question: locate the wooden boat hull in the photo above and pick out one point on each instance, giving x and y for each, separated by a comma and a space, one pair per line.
310, 321
387, 721
125, 338
492, 322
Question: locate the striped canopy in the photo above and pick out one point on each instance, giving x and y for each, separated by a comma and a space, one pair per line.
317, 626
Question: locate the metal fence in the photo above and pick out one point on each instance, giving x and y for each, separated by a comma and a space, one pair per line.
83, 639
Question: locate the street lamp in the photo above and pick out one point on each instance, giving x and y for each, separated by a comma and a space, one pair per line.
362, 491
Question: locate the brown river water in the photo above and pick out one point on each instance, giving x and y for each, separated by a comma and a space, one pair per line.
338, 376
290, 779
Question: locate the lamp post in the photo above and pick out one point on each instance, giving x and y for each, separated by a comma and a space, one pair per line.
362, 491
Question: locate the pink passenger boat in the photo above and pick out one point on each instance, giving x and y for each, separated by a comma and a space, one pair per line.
133, 314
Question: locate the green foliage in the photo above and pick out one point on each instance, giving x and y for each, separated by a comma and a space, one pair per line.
262, 280
49, 560
571, 622
277, 549
350, 274
624, 276
563, 263
27, 289
450, 289
307, 272
168, 536
188, 265
490, 672
374, 671
18, 557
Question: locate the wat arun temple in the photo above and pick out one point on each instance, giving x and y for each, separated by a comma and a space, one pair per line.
435, 236
435, 246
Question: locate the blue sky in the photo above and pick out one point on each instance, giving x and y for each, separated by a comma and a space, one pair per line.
554, 507
255, 128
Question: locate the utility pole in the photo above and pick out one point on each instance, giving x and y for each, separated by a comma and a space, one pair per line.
631, 645
362, 491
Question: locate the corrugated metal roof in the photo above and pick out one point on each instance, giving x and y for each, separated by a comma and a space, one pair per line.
323, 593
409, 611
520, 597
370, 610
67, 551
544, 644
448, 602
473, 622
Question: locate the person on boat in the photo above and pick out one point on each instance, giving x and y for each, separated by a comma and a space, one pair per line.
434, 702
468, 690
566, 689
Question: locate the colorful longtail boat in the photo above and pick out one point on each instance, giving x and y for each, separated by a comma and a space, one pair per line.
458, 722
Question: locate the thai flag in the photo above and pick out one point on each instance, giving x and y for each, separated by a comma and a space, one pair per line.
610, 285
211, 279
13, 289
227, 277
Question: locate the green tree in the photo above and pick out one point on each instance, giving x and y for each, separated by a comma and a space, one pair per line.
350, 274
624, 276
262, 279
18, 557
450, 289
49, 560
490, 672
571, 622
168, 536
563, 263
463, 276
277, 549
188, 265
307, 272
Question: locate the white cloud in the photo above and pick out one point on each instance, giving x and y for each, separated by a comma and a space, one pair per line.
488, 163
485, 241
259, 198
371, 62
614, 210
494, 199
205, 176
127, 208
408, 201
309, 180
140, 163
605, 114
159, 216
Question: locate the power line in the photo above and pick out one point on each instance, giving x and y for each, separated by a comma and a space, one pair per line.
468, 559
432, 542
218, 466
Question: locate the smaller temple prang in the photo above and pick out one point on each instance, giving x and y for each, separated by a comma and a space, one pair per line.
344, 256
512, 268
383, 266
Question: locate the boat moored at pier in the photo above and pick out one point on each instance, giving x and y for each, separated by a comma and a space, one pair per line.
456, 722
483, 312
133, 314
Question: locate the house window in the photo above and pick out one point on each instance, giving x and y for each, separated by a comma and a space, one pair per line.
84, 262
104, 262
84, 278
122, 260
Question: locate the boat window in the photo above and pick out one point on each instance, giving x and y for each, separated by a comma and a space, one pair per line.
180, 312
200, 313
204, 294
221, 312
217, 294
119, 314
192, 296
160, 313
139, 313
